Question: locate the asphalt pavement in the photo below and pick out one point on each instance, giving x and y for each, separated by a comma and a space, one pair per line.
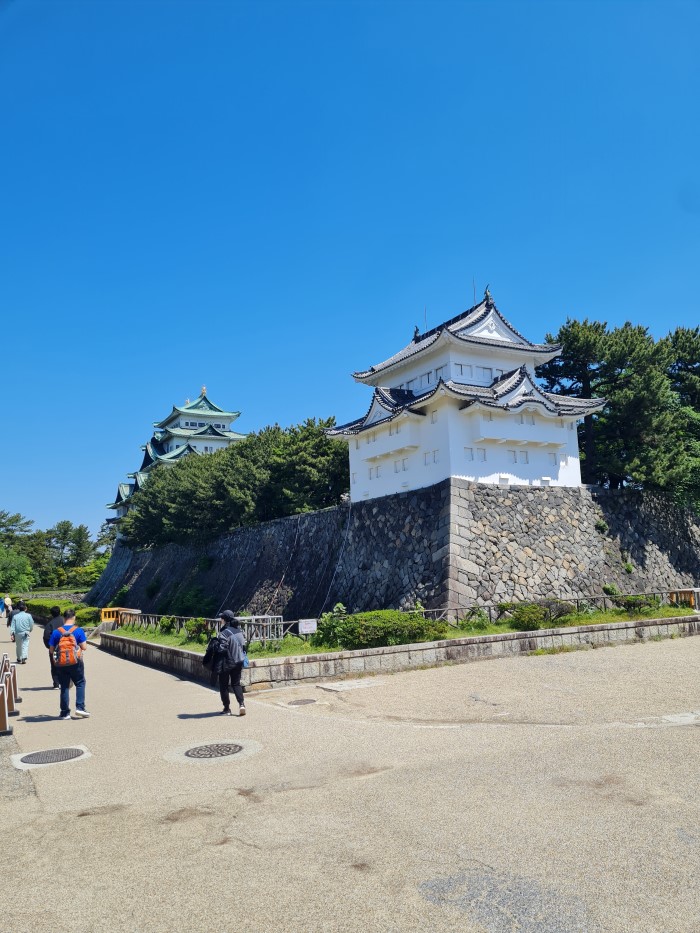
545, 794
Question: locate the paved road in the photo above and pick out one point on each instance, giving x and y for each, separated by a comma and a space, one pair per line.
540, 795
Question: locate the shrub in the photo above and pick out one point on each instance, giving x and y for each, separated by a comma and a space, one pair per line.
503, 608
527, 617
475, 619
555, 609
610, 589
602, 526
637, 603
167, 625
190, 601
628, 567
385, 627
327, 626
89, 616
197, 629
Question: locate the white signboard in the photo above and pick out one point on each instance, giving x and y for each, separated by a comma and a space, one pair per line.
307, 626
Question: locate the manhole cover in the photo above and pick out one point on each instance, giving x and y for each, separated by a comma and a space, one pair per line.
52, 756
300, 702
219, 750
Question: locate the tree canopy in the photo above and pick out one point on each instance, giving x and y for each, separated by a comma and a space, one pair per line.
648, 435
272, 473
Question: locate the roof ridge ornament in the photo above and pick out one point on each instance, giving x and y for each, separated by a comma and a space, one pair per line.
204, 390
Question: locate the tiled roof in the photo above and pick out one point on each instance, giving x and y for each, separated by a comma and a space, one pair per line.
396, 401
454, 327
202, 406
124, 492
207, 431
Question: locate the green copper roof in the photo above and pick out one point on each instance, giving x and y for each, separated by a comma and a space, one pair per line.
201, 405
208, 431
124, 492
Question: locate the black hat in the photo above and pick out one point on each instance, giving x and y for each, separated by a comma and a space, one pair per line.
227, 615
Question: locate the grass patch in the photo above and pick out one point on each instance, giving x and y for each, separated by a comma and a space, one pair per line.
293, 646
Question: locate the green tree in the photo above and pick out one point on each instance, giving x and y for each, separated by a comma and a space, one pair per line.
13, 526
60, 537
81, 549
576, 373
106, 537
15, 570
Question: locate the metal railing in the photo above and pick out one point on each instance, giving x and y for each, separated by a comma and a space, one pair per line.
683, 596
255, 628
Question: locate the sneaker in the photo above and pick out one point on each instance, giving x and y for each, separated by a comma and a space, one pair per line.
225, 712
64, 716
241, 711
82, 713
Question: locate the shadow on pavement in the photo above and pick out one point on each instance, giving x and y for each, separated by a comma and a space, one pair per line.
43, 718
197, 715
37, 688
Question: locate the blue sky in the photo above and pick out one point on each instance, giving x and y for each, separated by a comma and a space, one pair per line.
264, 197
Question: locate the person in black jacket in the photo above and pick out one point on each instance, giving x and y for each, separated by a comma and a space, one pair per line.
228, 655
54, 622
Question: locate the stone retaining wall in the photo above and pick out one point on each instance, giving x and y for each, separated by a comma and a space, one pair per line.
451, 545
279, 672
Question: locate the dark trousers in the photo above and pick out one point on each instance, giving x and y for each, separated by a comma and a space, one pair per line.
54, 678
75, 673
234, 676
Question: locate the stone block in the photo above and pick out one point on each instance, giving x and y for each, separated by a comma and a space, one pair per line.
309, 669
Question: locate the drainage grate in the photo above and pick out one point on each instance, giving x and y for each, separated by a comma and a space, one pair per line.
52, 756
300, 702
219, 750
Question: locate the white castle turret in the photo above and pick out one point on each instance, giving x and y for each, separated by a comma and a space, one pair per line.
461, 400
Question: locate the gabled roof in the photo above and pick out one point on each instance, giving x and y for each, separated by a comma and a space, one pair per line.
176, 454
208, 431
481, 325
124, 492
202, 405
509, 394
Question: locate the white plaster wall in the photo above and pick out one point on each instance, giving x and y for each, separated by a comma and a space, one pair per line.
449, 434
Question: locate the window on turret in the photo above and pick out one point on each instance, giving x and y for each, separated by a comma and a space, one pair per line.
433, 416
484, 374
400, 466
426, 379
512, 458
523, 456
469, 453
439, 373
354, 477
525, 418
410, 384
487, 416
552, 459
463, 369
481, 453
394, 428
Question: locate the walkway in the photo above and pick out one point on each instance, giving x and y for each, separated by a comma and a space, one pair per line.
544, 795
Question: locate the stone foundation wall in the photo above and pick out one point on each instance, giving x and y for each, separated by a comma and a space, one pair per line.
454, 544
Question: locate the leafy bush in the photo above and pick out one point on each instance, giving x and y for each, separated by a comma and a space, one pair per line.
381, 628
474, 620
89, 616
555, 608
503, 609
628, 567
637, 603
602, 526
327, 626
527, 617
197, 629
167, 625
610, 589
190, 601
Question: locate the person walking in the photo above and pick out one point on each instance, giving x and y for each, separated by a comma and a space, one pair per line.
228, 662
8, 610
21, 625
53, 623
68, 642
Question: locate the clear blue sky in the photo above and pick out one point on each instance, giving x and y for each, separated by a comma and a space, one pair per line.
264, 197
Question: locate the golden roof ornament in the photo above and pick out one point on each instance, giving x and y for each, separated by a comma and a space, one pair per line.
204, 390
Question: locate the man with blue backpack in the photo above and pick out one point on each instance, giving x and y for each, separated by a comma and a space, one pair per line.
68, 643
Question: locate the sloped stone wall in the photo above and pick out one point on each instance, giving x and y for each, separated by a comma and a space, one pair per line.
454, 544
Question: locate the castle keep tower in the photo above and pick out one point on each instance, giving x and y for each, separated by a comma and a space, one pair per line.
198, 427
461, 400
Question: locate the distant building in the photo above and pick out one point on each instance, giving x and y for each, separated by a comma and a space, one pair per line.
461, 400
198, 427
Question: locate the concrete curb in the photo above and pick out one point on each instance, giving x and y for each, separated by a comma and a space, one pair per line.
276, 672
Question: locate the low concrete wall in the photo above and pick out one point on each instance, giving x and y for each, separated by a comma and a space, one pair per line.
278, 672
